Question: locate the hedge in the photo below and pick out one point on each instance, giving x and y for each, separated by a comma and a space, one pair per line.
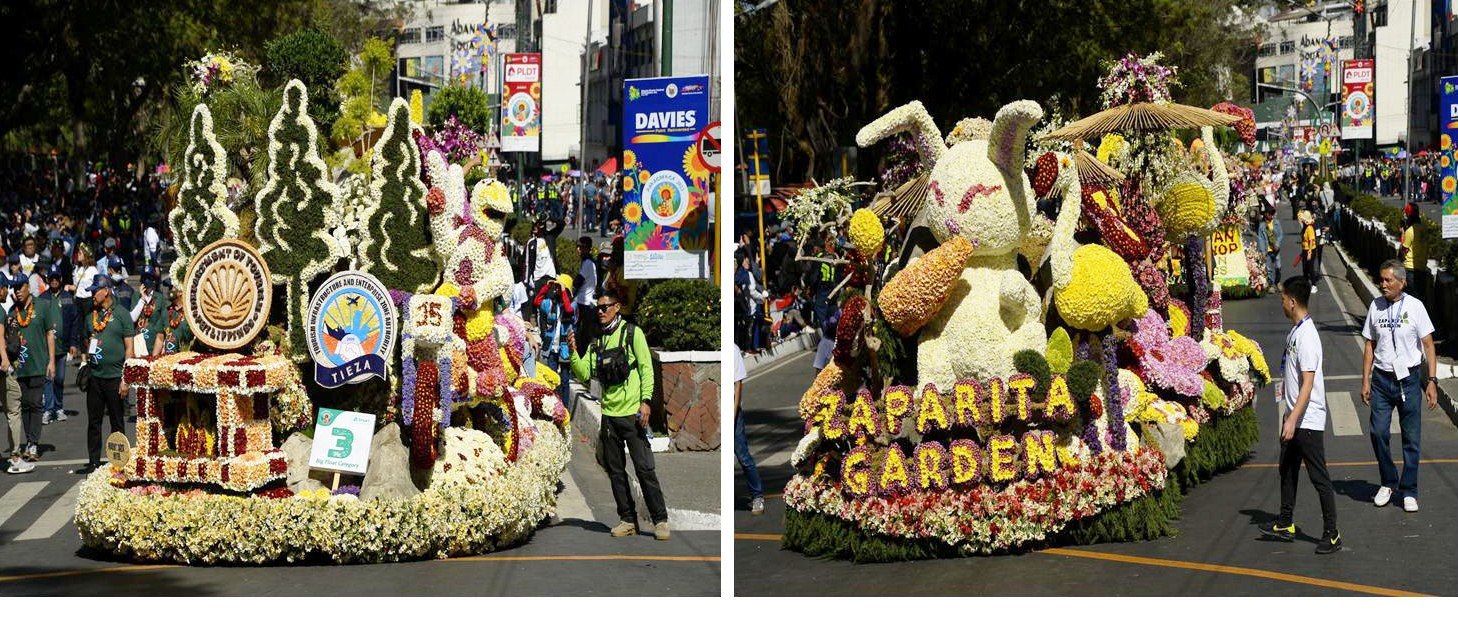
1430, 235
680, 315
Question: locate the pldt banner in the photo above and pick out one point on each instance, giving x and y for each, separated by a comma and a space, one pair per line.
1448, 127
665, 184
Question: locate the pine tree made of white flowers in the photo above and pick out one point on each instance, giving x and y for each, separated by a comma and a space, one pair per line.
298, 207
393, 243
201, 215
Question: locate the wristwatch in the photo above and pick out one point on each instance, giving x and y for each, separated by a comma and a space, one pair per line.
1433, 379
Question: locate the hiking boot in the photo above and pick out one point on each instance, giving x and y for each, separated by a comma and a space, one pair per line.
1331, 542
1284, 533
756, 506
623, 529
1383, 497
660, 530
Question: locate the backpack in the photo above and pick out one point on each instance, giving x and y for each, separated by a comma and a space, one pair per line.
613, 366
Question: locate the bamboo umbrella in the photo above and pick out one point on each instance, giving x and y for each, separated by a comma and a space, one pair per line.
1136, 117
905, 202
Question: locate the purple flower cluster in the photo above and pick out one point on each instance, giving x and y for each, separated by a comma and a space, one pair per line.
1199, 284
456, 141
1133, 79
348, 489
1117, 433
903, 162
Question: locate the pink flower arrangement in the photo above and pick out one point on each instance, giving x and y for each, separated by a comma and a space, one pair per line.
1171, 364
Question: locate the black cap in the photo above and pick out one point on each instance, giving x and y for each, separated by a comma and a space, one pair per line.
99, 282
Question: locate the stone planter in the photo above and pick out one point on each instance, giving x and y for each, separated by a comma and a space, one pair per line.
687, 397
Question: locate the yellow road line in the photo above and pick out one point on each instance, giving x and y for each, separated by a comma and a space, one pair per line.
700, 558
768, 537
134, 568
1252, 572
498, 558
1186, 565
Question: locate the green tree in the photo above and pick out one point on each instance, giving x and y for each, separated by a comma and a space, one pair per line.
363, 89
812, 81
394, 246
297, 209
245, 107
201, 216
466, 103
313, 57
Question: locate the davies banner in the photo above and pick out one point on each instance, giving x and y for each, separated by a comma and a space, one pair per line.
1448, 126
665, 183
521, 108
1357, 103
1228, 254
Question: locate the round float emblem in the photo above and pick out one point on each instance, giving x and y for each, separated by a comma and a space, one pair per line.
227, 294
351, 329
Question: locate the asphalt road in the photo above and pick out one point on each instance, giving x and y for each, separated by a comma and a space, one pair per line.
41, 553
1217, 551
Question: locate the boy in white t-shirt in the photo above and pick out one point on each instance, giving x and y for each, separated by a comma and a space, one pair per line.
1302, 391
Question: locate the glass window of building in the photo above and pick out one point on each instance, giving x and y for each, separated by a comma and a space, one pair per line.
1288, 47
434, 33
409, 35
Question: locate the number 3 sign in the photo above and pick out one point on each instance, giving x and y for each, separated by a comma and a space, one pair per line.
342, 441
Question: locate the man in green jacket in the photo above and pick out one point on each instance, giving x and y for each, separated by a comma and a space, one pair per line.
33, 365
619, 359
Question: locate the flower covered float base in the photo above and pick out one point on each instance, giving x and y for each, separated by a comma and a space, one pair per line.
1112, 497
479, 504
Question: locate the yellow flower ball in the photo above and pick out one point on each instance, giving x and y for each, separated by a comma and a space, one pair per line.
1101, 292
1109, 147
1186, 208
866, 232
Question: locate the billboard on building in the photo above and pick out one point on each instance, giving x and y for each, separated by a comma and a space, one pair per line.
665, 184
1357, 103
521, 108
1448, 127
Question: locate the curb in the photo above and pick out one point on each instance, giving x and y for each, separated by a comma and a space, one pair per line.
587, 417
781, 350
1367, 291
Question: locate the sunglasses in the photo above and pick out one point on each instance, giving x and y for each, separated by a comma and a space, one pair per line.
603, 305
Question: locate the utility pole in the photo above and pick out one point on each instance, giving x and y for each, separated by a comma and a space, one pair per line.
1407, 162
665, 34
582, 117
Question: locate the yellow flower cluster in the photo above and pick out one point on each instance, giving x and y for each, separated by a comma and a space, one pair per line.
914, 296
1186, 207
1179, 321
1101, 292
833, 377
443, 521
866, 233
1252, 350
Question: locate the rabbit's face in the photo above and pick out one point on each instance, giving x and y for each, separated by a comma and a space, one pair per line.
969, 196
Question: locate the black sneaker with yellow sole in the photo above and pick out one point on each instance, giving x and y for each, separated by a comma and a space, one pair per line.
1284, 533
1331, 542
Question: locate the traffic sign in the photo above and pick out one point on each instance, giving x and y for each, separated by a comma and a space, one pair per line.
708, 147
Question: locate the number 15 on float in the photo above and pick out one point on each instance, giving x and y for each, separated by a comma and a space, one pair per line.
342, 441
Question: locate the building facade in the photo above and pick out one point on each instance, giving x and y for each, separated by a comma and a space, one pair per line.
441, 42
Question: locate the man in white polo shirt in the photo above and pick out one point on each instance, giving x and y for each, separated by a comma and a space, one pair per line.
1304, 394
1399, 336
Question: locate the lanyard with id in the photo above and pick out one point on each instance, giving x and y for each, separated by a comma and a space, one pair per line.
1399, 367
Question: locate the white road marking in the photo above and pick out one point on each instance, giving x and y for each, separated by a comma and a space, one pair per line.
779, 364
73, 461
1344, 420
54, 518
571, 503
17, 497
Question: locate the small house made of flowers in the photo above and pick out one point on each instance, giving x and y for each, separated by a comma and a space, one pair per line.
238, 452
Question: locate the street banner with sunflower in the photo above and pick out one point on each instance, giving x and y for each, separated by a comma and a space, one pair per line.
665, 183
1448, 115
521, 110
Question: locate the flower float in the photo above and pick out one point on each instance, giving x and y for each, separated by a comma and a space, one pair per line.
1020, 425
220, 470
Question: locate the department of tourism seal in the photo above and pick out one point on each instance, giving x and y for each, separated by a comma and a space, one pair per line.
351, 329
227, 294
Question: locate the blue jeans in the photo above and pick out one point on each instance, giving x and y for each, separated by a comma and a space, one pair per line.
746, 462
1273, 269
52, 395
1385, 396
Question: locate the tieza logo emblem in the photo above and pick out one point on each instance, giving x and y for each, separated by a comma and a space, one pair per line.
351, 329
